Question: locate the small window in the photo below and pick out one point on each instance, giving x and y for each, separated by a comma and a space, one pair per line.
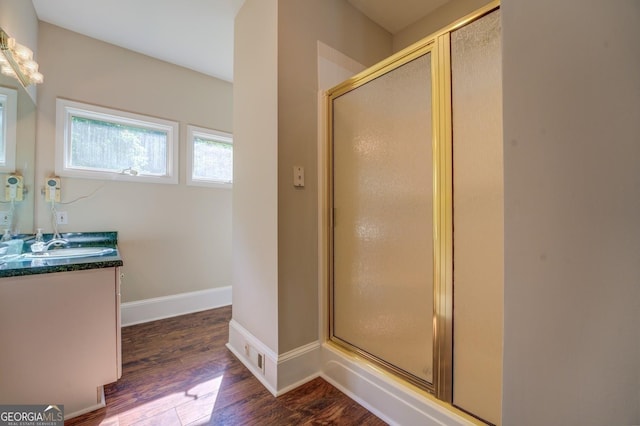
8, 125
101, 143
209, 157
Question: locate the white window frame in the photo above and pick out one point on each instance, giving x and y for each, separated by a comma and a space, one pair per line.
9, 128
192, 133
65, 109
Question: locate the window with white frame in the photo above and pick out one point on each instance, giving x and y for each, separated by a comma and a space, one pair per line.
101, 143
8, 126
209, 157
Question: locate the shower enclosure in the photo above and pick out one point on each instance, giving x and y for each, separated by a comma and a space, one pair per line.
392, 132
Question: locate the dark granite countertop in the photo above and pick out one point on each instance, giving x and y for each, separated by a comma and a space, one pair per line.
19, 265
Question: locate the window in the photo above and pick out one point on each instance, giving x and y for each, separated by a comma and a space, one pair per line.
101, 143
209, 157
8, 120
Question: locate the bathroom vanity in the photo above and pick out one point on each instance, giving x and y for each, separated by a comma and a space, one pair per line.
60, 325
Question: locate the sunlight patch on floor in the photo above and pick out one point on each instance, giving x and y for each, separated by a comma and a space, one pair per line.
192, 405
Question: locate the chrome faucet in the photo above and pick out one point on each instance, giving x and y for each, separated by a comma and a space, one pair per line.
56, 242
41, 247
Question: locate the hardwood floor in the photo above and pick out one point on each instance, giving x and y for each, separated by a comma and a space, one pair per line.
178, 371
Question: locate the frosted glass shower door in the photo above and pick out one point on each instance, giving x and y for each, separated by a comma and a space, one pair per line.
382, 287
478, 193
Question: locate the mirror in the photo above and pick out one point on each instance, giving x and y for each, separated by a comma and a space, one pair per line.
22, 221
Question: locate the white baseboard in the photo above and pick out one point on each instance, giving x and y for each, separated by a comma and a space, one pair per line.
390, 400
298, 366
101, 403
245, 346
281, 373
157, 308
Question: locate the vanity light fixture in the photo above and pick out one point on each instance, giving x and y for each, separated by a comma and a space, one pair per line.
17, 61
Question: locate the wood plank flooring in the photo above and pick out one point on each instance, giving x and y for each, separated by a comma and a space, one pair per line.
178, 371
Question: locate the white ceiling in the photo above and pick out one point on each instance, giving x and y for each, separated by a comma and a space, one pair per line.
195, 34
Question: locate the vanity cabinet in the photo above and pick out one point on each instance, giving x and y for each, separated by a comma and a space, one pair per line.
60, 338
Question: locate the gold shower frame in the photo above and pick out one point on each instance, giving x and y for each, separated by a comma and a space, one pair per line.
438, 44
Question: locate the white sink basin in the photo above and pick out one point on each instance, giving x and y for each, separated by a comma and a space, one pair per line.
71, 252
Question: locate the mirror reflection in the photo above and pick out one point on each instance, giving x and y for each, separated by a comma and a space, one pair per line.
17, 214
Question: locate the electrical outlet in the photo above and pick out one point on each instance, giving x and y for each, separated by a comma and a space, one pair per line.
256, 358
261, 362
5, 219
62, 218
298, 176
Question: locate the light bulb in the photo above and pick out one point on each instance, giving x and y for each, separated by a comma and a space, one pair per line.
37, 78
16, 60
31, 66
23, 52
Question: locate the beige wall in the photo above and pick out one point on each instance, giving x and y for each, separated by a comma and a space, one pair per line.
275, 273
435, 21
255, 192
300, 26
174, 239
572, 206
